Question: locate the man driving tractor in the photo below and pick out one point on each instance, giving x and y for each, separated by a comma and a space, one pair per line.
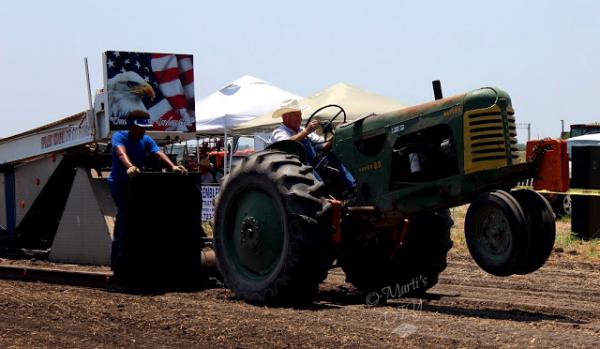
327, 166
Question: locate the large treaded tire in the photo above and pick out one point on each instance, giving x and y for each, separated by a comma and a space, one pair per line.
372, 266
297, 198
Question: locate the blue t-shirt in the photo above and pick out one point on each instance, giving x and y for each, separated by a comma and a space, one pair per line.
137, 151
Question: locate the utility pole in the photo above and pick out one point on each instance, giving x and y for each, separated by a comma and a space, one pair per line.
526, 126
562, 126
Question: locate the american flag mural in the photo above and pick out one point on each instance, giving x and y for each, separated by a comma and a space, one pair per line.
155, 85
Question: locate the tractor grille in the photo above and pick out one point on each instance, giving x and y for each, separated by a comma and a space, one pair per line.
490, 141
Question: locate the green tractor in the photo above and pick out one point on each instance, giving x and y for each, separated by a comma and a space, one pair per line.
278, 229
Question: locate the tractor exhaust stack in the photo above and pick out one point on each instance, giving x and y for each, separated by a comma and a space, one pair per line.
437, 89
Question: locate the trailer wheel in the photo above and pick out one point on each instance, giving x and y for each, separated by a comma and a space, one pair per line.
272, 232
542, 227
376, 267
496, 232
567, 205
564, 206
561, 205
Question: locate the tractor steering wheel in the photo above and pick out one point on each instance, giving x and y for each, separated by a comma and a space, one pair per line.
327, 125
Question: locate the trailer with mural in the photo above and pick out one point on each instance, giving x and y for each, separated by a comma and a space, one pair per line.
55, 200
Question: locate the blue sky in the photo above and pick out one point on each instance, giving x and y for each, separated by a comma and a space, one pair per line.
546, 54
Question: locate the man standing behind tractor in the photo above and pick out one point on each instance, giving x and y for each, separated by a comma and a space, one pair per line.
208, 174
129, 151
326, 166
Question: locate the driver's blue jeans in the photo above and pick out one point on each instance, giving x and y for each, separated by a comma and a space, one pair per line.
330, 160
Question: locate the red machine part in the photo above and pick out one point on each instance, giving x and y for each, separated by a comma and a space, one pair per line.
553, 160
336, 217
399, 236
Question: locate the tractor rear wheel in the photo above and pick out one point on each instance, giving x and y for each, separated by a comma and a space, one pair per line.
496, 232
272, 232
376, 265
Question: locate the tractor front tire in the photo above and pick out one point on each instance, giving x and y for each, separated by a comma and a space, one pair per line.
497, 233
272, 230
542, 228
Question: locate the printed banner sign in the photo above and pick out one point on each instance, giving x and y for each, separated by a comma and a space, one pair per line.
209, 192
154, 86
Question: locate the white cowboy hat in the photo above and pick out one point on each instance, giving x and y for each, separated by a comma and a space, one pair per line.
288, 106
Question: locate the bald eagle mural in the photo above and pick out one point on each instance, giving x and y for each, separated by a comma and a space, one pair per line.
150, 85
125, 93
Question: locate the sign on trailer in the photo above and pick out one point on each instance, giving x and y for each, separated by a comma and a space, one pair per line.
209, 192
157, 86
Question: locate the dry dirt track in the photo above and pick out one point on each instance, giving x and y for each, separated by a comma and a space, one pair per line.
558, 306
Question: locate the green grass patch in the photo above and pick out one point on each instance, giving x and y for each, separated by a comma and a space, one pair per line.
208, 228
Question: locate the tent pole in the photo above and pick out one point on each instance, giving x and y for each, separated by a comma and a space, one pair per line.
233, 146
198, 152
225, 150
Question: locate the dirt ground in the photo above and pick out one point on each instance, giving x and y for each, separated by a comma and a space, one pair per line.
555, 307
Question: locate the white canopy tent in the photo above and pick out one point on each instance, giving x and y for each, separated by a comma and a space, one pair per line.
355, 101
240, 101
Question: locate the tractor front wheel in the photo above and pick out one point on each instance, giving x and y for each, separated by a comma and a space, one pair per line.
496, 232
542, 230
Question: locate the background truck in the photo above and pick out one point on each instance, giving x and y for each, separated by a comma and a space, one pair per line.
577, 130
